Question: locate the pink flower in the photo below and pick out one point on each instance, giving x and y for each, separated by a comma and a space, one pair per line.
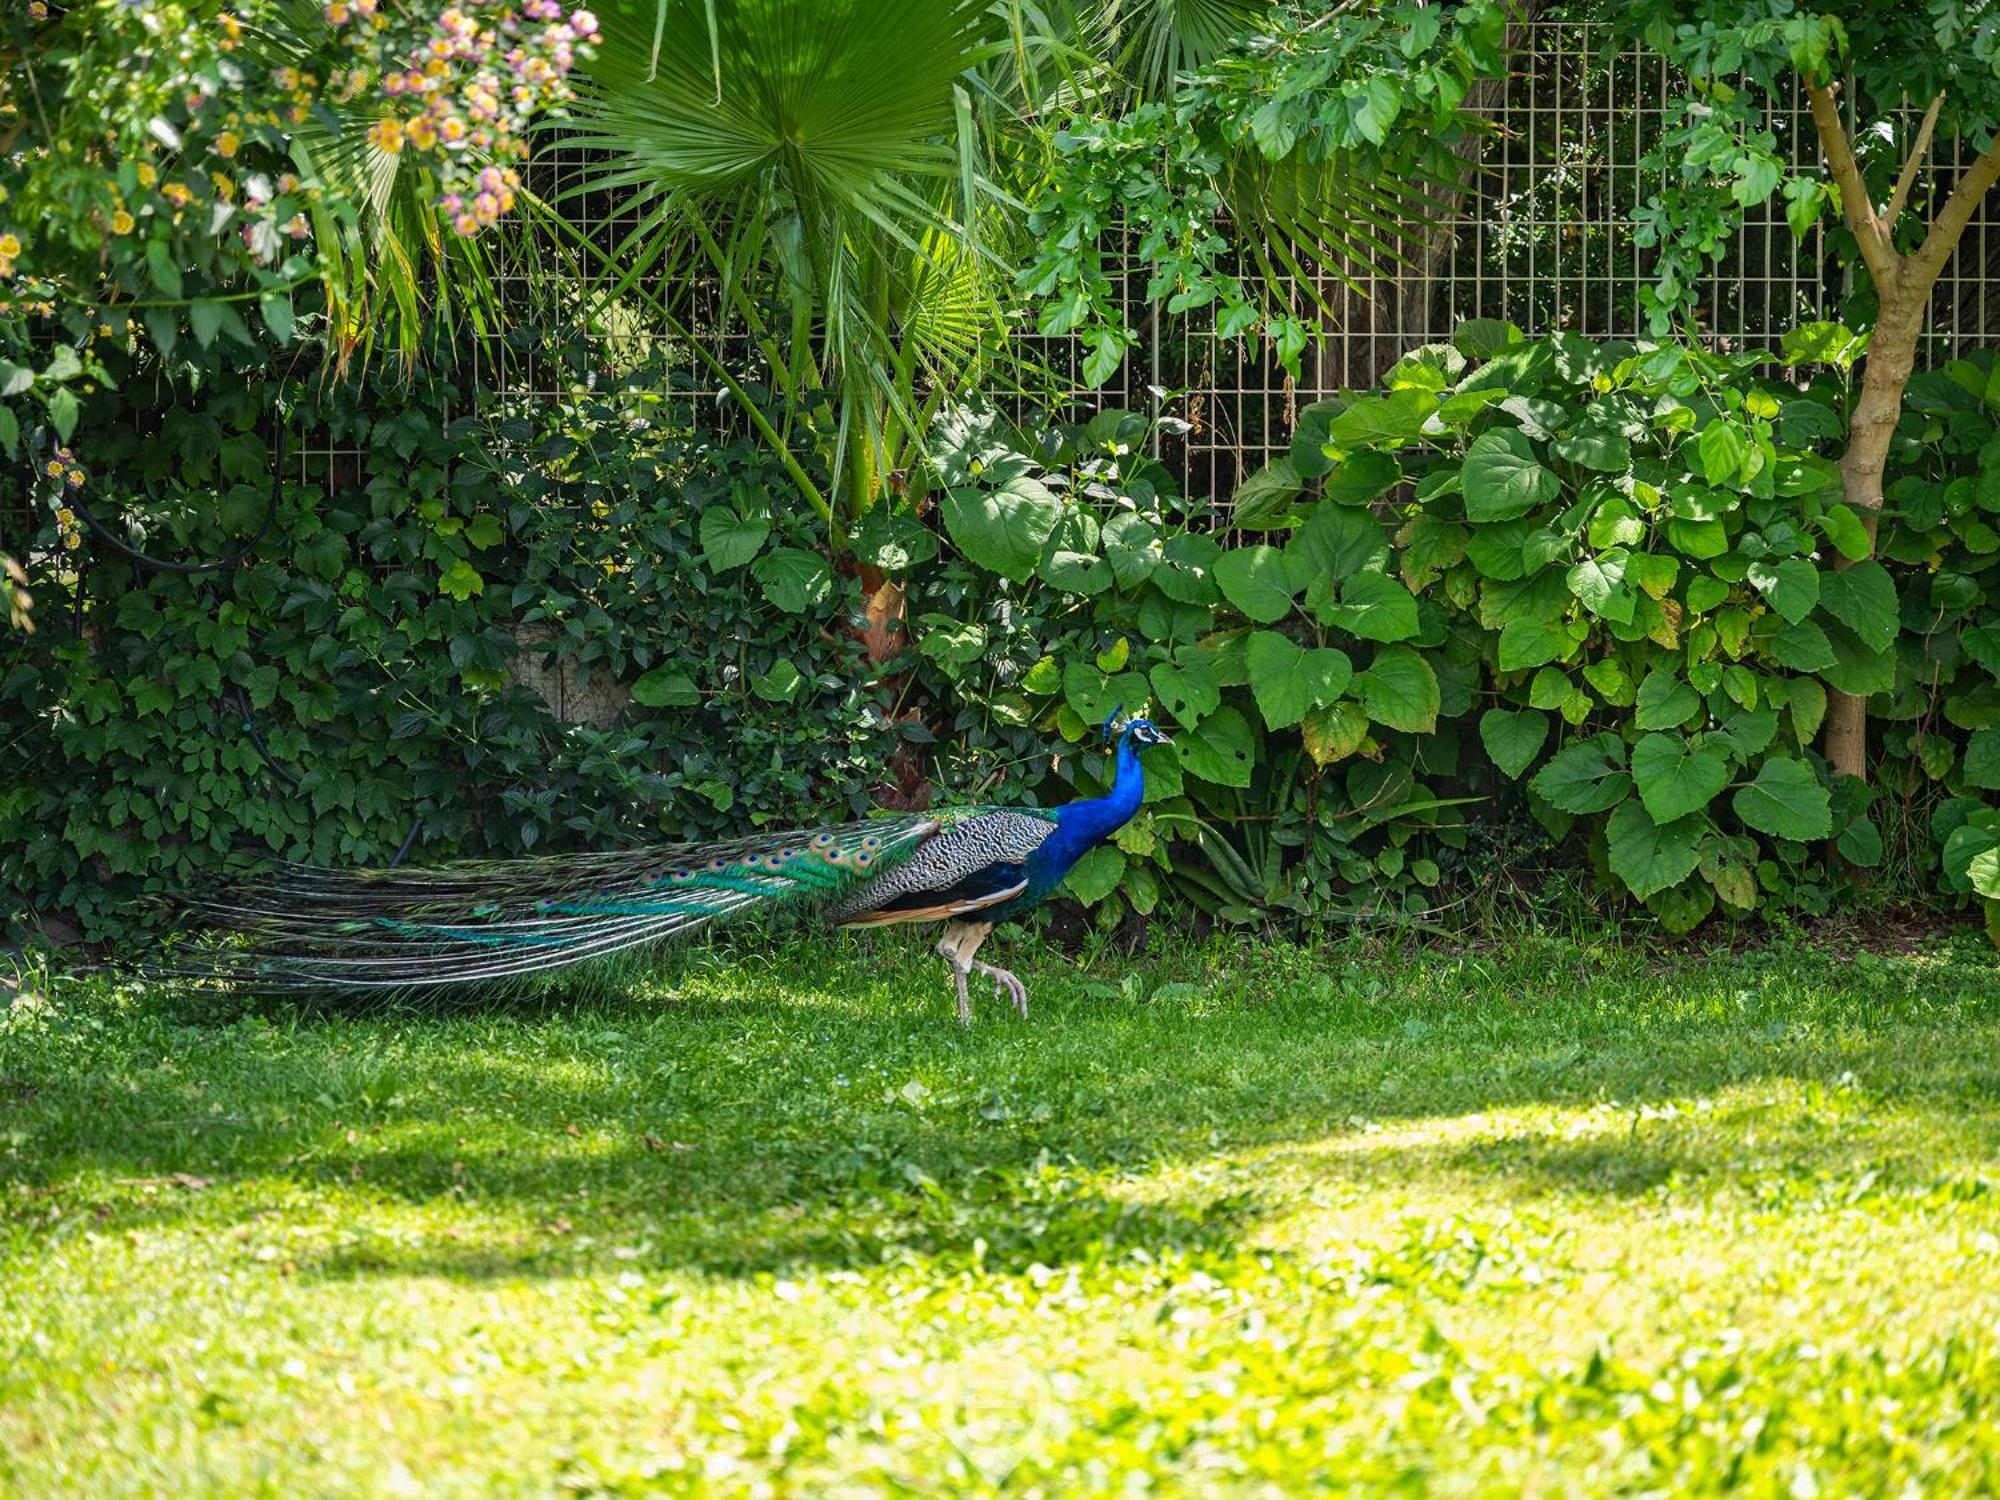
583, 23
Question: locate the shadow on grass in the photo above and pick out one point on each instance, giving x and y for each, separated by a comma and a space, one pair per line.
802, 1111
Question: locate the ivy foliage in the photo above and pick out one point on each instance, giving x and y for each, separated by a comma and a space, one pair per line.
390, 654
1581, 588
1325, 141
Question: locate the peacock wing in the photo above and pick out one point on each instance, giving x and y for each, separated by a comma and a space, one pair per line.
976, 860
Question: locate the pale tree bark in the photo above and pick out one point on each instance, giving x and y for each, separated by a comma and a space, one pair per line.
1903, 288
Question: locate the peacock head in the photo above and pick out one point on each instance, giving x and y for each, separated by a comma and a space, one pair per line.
1140, 731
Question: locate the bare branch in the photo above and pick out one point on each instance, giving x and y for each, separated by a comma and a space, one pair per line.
1876, 250
1909, 177
1957, 212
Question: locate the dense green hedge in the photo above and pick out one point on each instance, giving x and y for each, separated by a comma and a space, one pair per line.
372, 633
1530, 591
1605, 586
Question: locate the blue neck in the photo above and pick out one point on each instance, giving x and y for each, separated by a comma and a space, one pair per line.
1095, 819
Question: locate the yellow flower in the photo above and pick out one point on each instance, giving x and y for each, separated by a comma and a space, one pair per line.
65, 516
122, 222
75, 478
387, 134
423, 133
73, 541
54, 466
226, 144
148, 174
10, 245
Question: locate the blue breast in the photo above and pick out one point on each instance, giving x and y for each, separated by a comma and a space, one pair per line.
1080, 828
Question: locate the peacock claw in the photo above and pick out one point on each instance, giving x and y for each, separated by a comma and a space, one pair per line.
1006, 987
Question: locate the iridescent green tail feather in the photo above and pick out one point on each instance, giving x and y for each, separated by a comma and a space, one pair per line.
311, 929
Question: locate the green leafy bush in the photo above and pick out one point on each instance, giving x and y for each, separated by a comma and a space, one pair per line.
1606, 584
389, 634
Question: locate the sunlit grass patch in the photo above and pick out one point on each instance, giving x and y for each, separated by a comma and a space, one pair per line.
1564, 1218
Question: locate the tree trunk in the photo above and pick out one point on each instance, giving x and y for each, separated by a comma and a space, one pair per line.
1892, 355
1903, 290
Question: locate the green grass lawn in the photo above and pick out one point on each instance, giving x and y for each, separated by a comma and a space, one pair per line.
1564, 1219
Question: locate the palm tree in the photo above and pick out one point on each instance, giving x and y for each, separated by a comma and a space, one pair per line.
838, 169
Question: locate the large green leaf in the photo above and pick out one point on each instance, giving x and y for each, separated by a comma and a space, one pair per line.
1374, 607
1863, 598
1221, 749
1186, 687
1360, 477
1288, 679
1513, 740
1096, 695
1722, 447
729, 539
1647, 856
1503, 478
1255, 580
1334, 543
666, 687
1265, 499
1665, 701
1399, 690
1375, 421
1676, 779
1599, 583
1981, 767
1856, 668
1096, 875
794, 579
1792, 586
1527, 642
1802, 647
1786, 801
1588, 777
1002, 526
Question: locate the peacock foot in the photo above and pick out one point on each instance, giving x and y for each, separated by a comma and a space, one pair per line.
1006, 987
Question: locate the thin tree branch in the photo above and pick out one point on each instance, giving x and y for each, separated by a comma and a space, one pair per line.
1908, 180
1957, 212
1876, 250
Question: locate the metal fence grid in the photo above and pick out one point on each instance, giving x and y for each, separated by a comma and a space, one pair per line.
1541, 235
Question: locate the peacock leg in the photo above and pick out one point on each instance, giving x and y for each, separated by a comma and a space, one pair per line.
1008, 984
956, 947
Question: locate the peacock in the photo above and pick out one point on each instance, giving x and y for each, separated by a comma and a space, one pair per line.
309, 929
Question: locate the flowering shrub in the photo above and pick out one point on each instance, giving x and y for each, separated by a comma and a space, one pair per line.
463, 87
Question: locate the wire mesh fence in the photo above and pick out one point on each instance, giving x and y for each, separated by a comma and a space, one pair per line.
1541, 234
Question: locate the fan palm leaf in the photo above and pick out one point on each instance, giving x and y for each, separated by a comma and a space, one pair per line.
817, 159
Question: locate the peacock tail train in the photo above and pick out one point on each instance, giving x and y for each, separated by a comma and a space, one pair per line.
311, 929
